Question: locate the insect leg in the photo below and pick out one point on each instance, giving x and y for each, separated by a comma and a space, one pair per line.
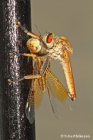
45, 65
31, 34
24, 54
29, 55
25, 77
27, 32
43, 69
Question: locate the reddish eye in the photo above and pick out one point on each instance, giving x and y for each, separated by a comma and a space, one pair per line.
49, 38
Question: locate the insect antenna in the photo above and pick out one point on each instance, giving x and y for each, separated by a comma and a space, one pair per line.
38, 29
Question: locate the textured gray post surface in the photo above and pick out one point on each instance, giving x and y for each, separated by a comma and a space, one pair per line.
13, 122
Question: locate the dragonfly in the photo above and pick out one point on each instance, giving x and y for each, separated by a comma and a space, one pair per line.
42, 78
58, 48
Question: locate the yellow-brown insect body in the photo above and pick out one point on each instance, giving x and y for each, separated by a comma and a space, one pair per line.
61, 49
68, 74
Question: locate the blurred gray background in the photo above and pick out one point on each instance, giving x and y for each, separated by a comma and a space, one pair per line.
72, 19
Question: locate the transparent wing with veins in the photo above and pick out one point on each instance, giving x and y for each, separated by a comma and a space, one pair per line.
59, 91
53, 104
35, 98
55, 91
34, 101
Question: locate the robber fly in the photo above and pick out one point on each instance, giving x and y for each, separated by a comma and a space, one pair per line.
42, 79
57, 48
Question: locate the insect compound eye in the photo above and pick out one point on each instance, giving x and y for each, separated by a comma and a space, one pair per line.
49, 37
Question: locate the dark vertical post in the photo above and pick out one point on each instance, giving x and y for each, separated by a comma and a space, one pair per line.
13, 122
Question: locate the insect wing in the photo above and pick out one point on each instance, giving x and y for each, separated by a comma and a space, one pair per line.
53, 104
56, 87
34, 101
59, 91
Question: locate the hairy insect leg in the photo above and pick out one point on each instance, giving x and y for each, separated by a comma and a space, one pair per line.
24, 54
27, 32
29, 55
25, 77
43, 69
45, 65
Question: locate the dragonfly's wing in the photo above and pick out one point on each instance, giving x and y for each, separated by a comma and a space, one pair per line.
53, 104
34, 101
